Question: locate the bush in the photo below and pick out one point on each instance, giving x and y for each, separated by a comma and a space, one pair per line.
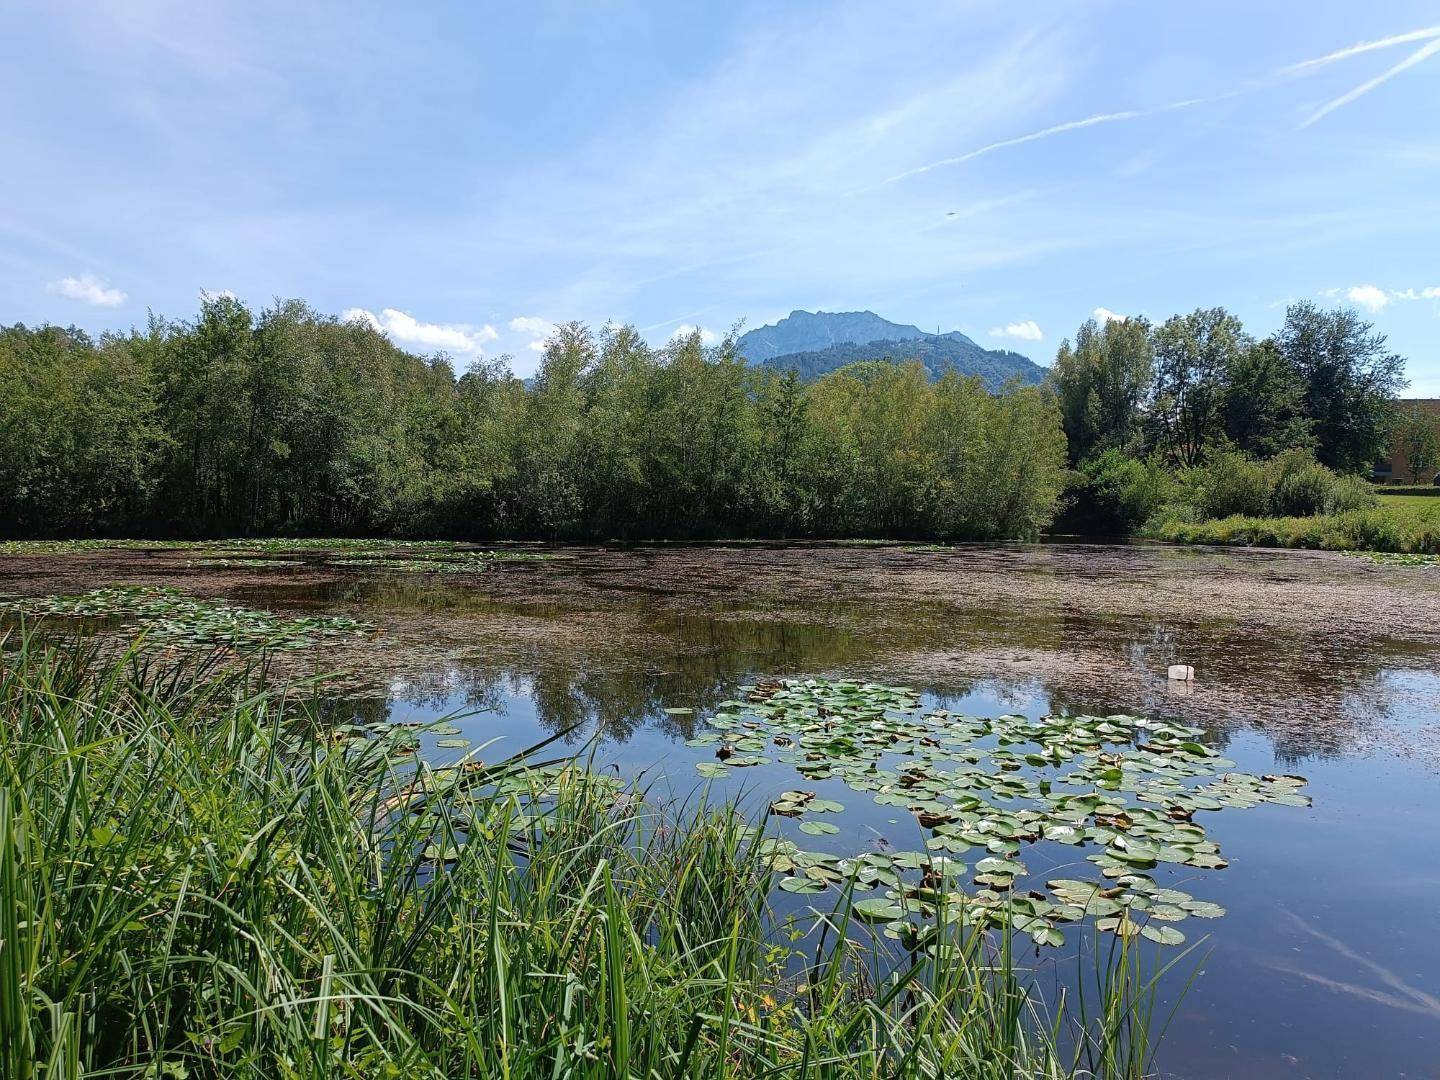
1230, 484
1116, 493
1301, 486
1351, 493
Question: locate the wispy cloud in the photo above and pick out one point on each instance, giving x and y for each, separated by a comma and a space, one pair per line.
88, 289
404, 329
1419, 56
1029, 330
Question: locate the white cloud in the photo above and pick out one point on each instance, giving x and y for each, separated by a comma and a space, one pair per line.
1029, 330
404, 329
89, 289
539, 330
1105, 315
684, 330
532, 324
1373, 298
1369, 297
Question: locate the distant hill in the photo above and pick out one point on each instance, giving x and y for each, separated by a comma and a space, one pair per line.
815, 343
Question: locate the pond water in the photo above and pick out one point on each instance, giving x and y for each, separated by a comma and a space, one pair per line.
1328, 961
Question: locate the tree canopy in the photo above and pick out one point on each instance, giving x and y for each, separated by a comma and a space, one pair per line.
287, 420
1199, 384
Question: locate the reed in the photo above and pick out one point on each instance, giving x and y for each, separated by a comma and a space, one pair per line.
198, 879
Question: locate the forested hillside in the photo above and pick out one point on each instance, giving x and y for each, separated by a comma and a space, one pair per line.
816, 343
287, 420
938, 355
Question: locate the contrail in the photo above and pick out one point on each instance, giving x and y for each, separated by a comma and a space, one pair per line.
1419, 56
1089, 121
1363, 47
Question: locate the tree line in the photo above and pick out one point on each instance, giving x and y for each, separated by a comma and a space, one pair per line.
1198, 384
285, 420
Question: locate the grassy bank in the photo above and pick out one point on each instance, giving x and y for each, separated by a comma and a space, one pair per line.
1400, 523
200, 879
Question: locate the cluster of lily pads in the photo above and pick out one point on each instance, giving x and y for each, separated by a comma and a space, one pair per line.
248, 562
77, 547
322, 544
1397, 558
169, 617
446, 562
1122, 788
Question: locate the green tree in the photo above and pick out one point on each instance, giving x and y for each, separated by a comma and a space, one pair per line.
1351, 381
1417, 435
79, 438
1264, 402
1102, 385
1193, 355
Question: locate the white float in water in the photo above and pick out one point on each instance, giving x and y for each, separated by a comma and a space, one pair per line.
1182, 673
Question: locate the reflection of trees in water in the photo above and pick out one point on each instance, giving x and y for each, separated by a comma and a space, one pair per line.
1314, 695
1311, 694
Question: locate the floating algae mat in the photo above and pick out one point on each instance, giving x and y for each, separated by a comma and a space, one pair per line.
170, 617
1123, 790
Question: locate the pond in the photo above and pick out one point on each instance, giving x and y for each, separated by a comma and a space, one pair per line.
1326, 962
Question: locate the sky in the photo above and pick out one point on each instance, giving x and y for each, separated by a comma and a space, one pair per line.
465, 175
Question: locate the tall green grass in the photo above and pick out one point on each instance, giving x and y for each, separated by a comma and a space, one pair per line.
197, 879
1388, 527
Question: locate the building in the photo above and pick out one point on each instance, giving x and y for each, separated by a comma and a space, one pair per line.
1395, 469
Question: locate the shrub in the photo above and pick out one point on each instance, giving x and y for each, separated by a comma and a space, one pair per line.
1117, 493
1350, 493
1301, 486
1229, 484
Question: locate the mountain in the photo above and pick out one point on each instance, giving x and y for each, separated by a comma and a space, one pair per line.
815, 343
807, 331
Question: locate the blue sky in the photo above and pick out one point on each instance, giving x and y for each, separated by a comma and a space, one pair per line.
467, 174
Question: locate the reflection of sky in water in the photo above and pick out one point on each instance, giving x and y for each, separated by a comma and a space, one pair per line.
1327, 963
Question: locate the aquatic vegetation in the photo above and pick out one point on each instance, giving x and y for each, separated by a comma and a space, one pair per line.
1122, 788
80, 547
1396, 558
450, 562
203, 880
321, 544
249, 563
169, 617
